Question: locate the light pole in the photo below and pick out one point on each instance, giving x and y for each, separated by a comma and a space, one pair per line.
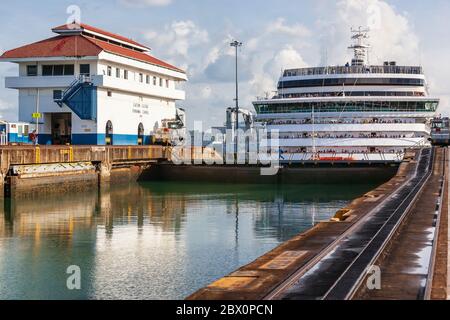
236, 44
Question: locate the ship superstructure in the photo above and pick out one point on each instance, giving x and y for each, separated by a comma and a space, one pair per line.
355, 112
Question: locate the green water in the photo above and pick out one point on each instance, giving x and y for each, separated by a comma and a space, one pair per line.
152, 240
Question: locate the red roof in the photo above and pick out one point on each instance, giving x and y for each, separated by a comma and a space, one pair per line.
85, 27
80, 46
141, 56
60, 46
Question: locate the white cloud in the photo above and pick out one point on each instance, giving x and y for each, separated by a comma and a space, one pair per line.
279, 26
210, 63
392, 36
181, 42
146, 3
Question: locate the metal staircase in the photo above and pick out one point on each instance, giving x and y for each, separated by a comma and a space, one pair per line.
81, 98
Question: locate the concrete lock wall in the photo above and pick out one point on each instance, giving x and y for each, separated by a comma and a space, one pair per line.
28, 170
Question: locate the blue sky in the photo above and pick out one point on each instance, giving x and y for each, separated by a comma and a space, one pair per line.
277, 34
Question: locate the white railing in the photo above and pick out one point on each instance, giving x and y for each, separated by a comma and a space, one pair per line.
3, 139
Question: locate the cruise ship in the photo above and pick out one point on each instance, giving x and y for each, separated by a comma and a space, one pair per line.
354, 112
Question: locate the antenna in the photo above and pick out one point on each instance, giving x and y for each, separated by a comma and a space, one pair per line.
360, 47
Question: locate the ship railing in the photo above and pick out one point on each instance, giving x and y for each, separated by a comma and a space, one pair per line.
416, 70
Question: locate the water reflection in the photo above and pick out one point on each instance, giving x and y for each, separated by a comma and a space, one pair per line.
153, 240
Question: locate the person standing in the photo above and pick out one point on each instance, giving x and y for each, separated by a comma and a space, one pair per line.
33, 137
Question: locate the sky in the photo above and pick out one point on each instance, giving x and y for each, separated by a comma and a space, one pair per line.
276, 34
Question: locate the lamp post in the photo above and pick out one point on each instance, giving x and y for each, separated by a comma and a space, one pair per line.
236, 44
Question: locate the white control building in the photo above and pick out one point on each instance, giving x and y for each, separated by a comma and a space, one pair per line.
88, 86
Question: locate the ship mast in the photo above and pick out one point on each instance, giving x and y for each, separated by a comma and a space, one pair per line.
360, 47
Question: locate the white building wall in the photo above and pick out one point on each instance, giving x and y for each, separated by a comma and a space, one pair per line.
126, 111
131, 102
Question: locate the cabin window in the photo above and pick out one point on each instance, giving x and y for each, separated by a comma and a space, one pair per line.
117, 73
109, 71
57, 94
85, 69
125, 74
32, 71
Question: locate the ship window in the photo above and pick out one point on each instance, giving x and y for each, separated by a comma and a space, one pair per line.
125, 74
32, 71
85, 69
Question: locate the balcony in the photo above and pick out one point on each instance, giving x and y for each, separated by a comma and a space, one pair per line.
38, 82
98, 81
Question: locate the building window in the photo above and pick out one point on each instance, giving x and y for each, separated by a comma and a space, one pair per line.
32, 71
109, 71
47, 70
58, 70
160, 82
57, 94
117, 73
147, 79
109, 93
85, 69
69, 70
154, 81
141, 77
167, 83
125, 74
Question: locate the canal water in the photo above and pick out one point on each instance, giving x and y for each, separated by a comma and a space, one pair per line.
158, 240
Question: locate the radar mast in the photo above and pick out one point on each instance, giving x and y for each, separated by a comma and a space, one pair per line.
360, 47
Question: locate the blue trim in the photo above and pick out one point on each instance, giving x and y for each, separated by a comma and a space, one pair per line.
15, 138
99, 139
85, 139
44, 139
94, 139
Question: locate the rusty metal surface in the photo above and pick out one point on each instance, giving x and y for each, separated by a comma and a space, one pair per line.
27, 155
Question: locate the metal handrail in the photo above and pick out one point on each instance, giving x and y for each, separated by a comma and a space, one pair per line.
416, 70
